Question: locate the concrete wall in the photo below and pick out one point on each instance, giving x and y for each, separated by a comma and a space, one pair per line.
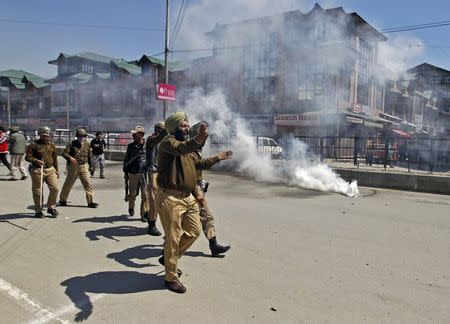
411, 182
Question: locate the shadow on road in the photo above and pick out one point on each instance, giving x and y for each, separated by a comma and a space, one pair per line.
195, 254
113, 232
107, 219
107, 282
141, 252
8, 217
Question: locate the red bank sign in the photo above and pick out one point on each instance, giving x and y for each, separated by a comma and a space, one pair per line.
166, 92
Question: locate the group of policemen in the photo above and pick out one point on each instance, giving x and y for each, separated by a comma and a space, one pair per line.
41, 154
165, 169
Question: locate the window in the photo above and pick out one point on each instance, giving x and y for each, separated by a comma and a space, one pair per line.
435, 79
447, 79
364, 70
259, 63
87, 68
310, 82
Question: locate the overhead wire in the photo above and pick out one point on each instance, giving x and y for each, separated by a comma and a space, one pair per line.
176, 23
416, 27
178, 26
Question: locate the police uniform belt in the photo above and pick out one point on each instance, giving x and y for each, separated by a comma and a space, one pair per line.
176, 193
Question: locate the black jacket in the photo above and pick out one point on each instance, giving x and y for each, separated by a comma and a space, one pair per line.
97, 146
134, 161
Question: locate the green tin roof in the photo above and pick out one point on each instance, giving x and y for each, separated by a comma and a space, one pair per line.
16, 77
86, 55
129, 67
173, 66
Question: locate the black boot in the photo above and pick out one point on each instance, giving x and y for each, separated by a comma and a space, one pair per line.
216, 248
152, 230
53, 212
39, 215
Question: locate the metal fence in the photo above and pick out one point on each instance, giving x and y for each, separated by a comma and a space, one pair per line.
432, 154
115, 139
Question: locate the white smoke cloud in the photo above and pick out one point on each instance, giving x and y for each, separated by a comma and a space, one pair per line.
301, 169
397, 54
203, 15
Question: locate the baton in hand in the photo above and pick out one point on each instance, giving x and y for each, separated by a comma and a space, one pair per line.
42, 186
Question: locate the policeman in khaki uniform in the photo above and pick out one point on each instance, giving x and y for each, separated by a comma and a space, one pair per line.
177, 207
206, 217
78, 156
42, 156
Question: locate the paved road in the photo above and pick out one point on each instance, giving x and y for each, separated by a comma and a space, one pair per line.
315, 257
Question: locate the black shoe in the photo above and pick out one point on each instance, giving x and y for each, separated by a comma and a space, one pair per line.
216, 248
12, 179
152, 229
131, 211
175, 286
144, 218
102, 177
92, 173
24, 177
161, 261
53, 212
92, 205
62, 203
39, 215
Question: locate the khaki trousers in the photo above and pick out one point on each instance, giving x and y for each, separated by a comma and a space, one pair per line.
151, 189
51, 179
17, 163
74, 172
136, 182
207, 220
181, 223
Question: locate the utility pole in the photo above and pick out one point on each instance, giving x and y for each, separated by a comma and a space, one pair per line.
166, 56
67, 106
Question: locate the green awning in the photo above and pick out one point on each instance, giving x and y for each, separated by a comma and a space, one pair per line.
370, 124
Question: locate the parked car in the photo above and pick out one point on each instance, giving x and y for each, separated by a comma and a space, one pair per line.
61, 136
267, 145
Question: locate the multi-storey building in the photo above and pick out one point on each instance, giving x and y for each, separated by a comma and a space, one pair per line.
315, 72
27, 95
104, 92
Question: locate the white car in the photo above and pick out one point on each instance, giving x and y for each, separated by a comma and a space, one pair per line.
267, 145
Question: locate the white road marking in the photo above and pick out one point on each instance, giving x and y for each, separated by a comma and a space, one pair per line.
66, 310
27, 302
43, 315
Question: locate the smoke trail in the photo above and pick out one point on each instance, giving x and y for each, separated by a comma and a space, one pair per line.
301, 168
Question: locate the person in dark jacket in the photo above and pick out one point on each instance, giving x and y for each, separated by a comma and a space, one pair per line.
98, 145
4, 147
17, 149
135, 171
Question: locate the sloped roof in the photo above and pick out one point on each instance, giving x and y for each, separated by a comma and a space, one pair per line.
427, 66
37, 83
16, 77
173, 66
317, 9
85, 55
127, 66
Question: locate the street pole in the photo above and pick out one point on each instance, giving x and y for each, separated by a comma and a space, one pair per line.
9, 108
166, 56
67, 105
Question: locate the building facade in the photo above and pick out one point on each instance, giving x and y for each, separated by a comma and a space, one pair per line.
318, 68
